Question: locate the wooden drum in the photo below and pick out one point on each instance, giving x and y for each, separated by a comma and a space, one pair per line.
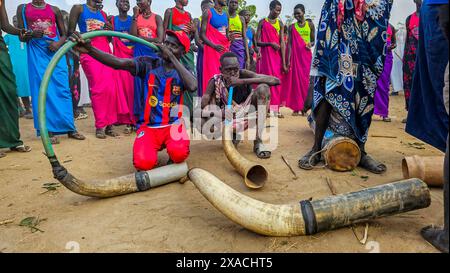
341, 154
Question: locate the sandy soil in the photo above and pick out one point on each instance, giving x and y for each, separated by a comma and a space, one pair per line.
176, 218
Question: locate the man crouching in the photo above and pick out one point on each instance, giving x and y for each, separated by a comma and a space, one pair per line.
244, 97
160, 124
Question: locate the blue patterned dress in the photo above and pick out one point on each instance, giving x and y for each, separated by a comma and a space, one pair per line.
348, 61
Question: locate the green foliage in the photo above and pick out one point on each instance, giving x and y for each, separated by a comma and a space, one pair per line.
32, 223
252, 9
310, 15
289, 20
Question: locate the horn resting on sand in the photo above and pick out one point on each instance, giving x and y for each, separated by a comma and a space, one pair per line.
140, 181
310, 217
427, 168
255, 175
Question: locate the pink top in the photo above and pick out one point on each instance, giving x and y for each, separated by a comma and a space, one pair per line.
41, 19
389, 34
147, 28
360, 11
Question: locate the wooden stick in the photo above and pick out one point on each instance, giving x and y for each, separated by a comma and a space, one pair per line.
381, 136
289, 166
293, 245
6, 222
362, 241
366, 233
331, 186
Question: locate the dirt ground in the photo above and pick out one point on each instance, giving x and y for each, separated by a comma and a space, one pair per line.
176, 218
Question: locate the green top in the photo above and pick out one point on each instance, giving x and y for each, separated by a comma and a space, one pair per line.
305, 31
277, 25
235, 24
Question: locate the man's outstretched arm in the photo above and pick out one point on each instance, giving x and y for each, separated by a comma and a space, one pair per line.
248, 78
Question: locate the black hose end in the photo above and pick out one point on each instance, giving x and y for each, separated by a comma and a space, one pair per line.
309, 217
59, 172
54, 161
142, 181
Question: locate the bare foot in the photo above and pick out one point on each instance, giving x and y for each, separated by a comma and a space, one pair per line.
260, 150
28, 115
76, 135
100, 134
128, 130
21, 149
236, 139
109, 131
436, 237
372, 165
308, 161
54, 140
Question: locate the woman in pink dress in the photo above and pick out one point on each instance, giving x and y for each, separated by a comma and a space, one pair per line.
106, 103
270, 37
299, 56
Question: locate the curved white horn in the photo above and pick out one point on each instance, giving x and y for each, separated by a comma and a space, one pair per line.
309, 217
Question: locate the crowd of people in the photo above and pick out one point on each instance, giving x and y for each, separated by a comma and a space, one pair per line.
342, 72
40, 29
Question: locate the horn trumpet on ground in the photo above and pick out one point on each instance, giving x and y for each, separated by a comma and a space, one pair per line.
140, 181
430, 169
255, 175
310, 217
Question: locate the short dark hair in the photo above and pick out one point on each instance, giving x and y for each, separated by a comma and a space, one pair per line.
204, 2
228, 55
243, 12
301, 7
274, 4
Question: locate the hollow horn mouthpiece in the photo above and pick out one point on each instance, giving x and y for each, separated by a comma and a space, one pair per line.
255, 175
430, 169
310, 217
140, 181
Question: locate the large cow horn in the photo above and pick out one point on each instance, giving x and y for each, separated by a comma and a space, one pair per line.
309, 217
140, 181
255, 175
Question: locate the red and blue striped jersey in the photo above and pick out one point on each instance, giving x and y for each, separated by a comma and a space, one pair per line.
162, 94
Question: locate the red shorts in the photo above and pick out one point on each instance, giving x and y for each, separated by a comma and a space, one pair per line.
150, 141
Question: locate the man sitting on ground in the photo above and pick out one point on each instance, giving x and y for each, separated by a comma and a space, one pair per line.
244, 96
